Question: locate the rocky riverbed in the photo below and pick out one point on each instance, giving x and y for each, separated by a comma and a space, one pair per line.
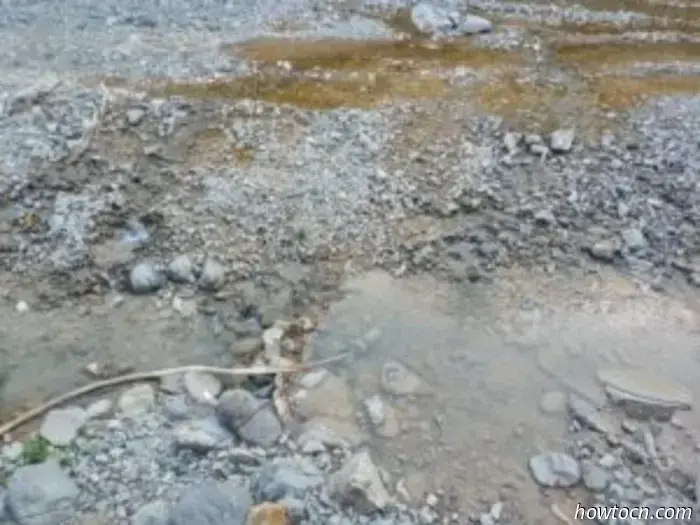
489, 210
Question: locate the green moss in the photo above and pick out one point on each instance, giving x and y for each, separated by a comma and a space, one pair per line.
35, 450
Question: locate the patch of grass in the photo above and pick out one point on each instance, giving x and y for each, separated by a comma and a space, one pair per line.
35, 450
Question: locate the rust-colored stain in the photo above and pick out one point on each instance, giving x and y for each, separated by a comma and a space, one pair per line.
597, 55
542, 106
359, 91
570, 28
374, 55
653, 8
624, 92
608, 28
339, 73
212, 146
659, 9
546, 106
244, 155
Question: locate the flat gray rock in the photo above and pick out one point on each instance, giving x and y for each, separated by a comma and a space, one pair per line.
285, 477
146, 278
640, 387
202, 387
595, 477
99, 409
587, 414
61, 425
201, 435
154, 513
562, 140
41, 495
212, 504
430, 19
555, 470
137, 401
181, 270
263, 429
472, 25
236, 407
213, 276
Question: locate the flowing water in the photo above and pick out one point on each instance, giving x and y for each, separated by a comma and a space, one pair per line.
486, 357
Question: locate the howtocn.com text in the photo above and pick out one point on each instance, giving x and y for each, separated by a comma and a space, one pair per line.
605, 513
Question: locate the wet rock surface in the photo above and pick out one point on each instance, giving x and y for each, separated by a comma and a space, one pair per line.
140, 465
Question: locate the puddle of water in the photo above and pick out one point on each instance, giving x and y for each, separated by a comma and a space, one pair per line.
336, 73
456, 436
375, 55
654, 9
587, 56
487, 362
360, 91
689, 27
545, 106
659, 10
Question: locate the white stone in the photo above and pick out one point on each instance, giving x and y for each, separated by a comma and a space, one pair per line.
99, 409
202, 387
60, 426
358, 484
137, 400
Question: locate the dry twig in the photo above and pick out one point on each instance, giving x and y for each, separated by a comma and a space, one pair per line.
153, 375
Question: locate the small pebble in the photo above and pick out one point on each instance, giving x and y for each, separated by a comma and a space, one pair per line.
99, 409
202, 387
145, 278
22, 307
137, 401
61, 425
213, 276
